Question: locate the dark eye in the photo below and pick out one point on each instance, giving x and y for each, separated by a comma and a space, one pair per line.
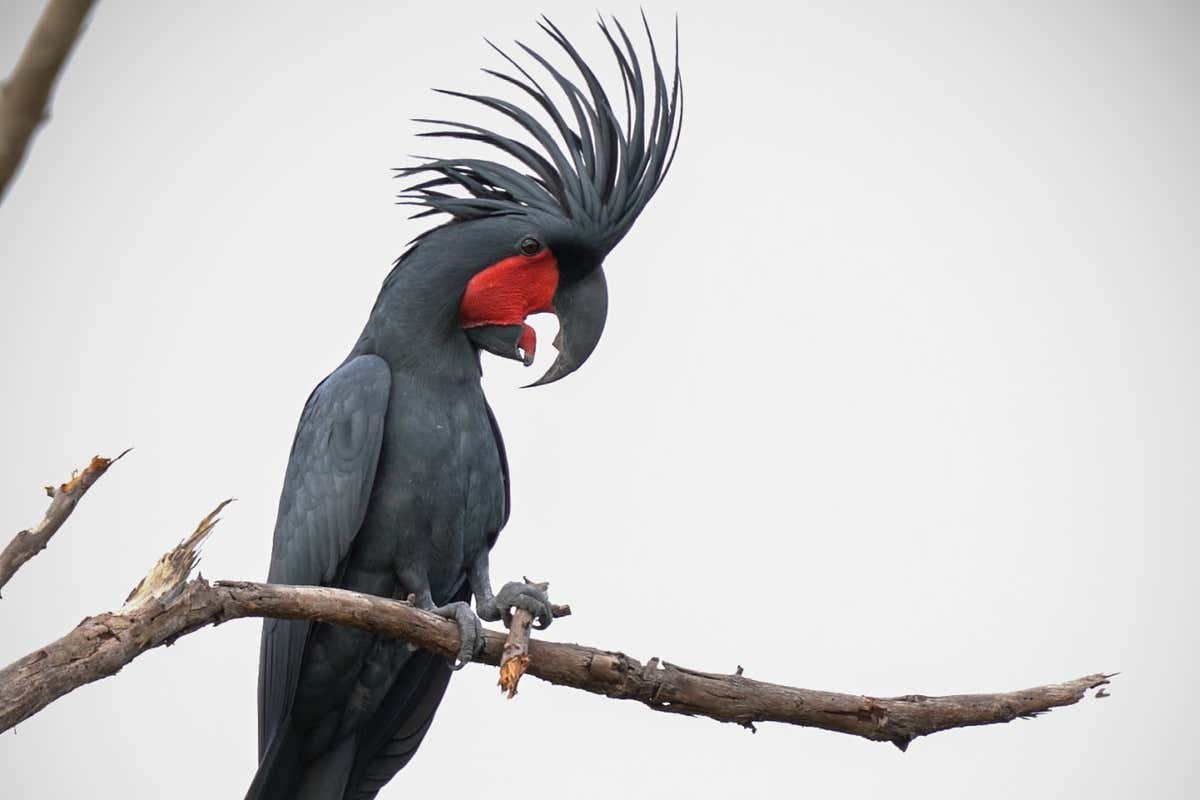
530, 246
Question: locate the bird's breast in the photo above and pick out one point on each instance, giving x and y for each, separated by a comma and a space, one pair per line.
439, 487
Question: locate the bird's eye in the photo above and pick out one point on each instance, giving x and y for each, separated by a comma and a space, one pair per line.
530, 246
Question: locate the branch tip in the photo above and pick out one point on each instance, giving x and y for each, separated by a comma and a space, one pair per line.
63, 499
167, 578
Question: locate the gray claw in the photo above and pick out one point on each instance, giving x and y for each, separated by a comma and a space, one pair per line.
526, 597
470, 631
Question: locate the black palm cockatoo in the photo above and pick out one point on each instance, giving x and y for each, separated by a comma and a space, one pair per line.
397, 484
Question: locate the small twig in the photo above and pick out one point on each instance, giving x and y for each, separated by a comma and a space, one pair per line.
26, 94
515, 658
63, 499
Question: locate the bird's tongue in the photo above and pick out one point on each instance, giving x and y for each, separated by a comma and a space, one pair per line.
527, 343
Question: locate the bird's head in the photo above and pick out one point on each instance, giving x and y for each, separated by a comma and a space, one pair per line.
532, 235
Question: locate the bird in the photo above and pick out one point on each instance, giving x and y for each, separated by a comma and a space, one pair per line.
397, 484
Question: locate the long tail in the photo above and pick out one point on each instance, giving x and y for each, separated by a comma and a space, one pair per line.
283, 774
359, 766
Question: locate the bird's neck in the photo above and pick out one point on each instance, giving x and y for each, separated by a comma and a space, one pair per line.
414, 326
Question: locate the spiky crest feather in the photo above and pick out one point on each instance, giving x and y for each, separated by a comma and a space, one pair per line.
602, 175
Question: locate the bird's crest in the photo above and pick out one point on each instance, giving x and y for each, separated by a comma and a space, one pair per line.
598, 174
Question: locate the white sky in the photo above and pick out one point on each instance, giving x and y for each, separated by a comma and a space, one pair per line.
898, 392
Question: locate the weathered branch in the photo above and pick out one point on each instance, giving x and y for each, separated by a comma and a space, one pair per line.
24, 97
172, 607
63, 499
514, 659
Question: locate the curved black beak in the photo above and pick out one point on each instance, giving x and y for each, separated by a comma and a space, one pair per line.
581, 308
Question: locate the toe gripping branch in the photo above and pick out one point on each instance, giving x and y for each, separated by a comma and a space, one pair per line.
515, 659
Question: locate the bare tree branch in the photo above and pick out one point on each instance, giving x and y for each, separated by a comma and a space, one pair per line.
171, 606
24, 97
63, 499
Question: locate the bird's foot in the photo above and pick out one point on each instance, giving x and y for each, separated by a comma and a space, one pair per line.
470, 631
528, 596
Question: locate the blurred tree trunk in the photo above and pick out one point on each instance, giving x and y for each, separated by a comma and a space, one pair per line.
25, 96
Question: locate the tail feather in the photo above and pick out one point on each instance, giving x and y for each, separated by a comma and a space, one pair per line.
325, 777
359, 765
279, 768
390, 743
283, 774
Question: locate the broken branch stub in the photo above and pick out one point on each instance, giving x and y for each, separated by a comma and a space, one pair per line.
169, 575
63, 499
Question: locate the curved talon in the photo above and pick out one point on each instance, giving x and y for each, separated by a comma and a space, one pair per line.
526, 597
470, 631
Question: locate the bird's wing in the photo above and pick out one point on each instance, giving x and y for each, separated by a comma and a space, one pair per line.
492, 535
325, 494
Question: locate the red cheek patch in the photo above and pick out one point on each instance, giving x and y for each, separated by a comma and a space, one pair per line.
510, 290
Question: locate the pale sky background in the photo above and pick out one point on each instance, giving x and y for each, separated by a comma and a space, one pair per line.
898, 393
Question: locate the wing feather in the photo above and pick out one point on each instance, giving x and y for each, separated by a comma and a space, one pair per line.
325, 495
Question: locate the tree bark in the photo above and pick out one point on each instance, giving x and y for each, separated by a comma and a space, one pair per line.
63, 499
25, 95
101, 645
